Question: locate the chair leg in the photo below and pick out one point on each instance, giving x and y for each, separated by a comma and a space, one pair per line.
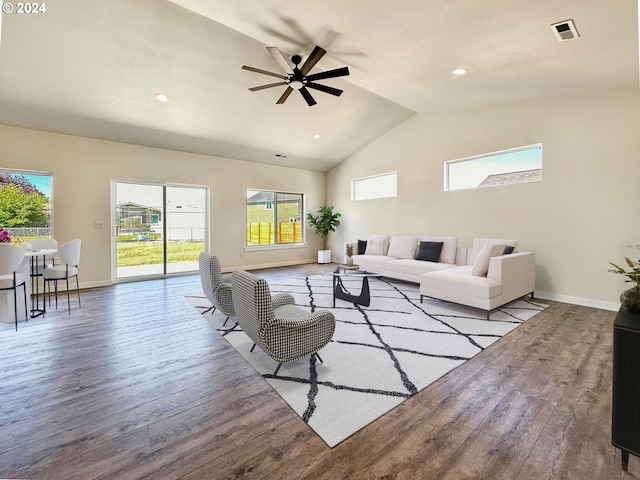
26, 312
277, 368
254, 346
316, 354
68, 299
15, 304
78, 290
225, 322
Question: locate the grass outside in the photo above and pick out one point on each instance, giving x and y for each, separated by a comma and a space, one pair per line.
132, 254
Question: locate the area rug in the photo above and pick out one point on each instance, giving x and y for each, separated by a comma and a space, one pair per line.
379, 356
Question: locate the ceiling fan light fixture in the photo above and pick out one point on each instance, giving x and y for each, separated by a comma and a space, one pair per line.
296, 84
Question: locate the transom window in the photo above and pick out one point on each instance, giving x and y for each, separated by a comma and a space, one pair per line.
507, 167
274, 218
377, 186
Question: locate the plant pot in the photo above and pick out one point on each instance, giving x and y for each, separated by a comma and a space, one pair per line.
349, 260
630, 299
324, 256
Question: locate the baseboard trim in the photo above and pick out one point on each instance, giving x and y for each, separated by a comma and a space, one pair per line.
585, 302
270, 265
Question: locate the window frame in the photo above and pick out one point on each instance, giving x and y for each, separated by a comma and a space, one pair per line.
371, 178
447, 171
273, 206
25, 172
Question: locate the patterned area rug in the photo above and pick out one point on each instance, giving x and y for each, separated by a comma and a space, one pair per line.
379, 356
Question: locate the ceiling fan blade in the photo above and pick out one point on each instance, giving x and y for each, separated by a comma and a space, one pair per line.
285, 95
307, 96
314, 57
262, 87
338, 72
264, 72
277, 54
324, 88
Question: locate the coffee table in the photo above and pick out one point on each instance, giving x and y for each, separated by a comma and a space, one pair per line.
340, 292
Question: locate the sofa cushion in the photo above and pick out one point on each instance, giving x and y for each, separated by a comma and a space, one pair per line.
413, 267
508, 249
429, 251
362, 247
403, 247
449, 246
371, 263
479, 243
377, 245
460, 281
481, 263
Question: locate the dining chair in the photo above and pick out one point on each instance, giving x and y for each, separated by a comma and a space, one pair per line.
69, 255
42, 244
11, 258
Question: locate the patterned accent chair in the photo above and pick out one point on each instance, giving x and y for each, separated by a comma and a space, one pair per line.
213, 285
285, 332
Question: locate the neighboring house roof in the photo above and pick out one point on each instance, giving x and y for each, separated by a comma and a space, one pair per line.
524, 176
137, 205
262, 197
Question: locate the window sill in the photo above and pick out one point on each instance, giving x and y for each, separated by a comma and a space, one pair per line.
262, 248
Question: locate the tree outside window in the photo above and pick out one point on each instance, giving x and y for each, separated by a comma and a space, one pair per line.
25, 208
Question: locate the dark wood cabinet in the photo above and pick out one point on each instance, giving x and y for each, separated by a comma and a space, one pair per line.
625, 414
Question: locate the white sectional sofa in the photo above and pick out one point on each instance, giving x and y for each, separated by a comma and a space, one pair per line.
483, 276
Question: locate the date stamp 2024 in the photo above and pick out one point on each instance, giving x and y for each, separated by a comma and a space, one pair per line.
24, 7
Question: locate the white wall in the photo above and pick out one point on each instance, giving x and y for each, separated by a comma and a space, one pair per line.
82, 170
576, 220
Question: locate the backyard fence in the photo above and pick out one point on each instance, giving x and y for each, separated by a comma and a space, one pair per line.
263, 233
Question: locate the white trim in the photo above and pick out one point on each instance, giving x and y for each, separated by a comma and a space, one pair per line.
585, 302
270, 265
274, 246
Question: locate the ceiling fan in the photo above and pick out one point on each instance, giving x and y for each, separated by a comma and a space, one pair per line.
296, 78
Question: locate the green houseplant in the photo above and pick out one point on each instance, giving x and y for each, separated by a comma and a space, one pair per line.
324, 222
630, 298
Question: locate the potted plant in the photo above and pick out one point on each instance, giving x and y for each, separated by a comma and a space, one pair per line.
349, 251
324, 222
630, 298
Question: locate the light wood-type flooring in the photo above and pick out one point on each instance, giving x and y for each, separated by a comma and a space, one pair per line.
136, 384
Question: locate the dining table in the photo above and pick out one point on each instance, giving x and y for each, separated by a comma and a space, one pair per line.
33, 260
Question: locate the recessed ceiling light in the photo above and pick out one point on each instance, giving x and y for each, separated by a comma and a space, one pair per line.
459, 71
316, 136
162, 97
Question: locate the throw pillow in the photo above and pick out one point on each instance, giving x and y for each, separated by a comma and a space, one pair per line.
403, 247
481, 263
362, 247
375, 247
429, 251
508, 249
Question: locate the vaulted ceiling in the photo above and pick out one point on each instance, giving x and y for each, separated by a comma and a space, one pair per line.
92, 68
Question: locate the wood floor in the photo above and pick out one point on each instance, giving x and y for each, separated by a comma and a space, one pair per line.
136, 384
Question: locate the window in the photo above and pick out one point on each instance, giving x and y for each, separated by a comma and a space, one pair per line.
518, 165
25, 204
376, 186
274, 218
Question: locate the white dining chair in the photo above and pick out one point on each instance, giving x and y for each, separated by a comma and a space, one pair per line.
11, 258
42, 244
69, 255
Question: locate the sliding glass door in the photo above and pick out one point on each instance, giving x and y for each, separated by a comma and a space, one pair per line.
159, 229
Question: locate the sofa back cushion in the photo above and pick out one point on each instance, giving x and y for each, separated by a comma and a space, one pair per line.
403, 247
449, 246
377, 245
479, 243
481, 263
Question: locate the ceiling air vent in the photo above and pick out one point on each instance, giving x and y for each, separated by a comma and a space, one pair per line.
565, 30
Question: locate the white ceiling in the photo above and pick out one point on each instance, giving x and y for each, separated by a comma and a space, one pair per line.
92, 68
